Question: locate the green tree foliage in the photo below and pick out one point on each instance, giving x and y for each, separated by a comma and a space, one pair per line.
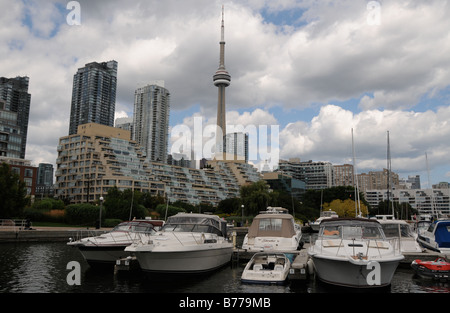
13, 193
151, 202
229, 206
171, 210
119, 203
83, 214
255, 197
401, 210
48, 204
313, 199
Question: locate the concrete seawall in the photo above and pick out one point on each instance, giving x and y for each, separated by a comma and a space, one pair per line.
46, 234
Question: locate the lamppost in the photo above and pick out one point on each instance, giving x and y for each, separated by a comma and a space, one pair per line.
242, 220
100, 217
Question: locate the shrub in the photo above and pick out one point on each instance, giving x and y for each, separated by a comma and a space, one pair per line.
48, 204
83, 214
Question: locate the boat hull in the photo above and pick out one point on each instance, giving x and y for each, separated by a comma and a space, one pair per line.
350, 274
107, 255
266, 269
184, 261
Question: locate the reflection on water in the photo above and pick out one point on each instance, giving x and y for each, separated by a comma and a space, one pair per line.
41, 268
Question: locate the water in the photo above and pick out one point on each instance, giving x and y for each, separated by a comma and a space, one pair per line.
41, 268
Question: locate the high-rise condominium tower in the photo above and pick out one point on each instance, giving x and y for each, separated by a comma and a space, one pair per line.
151, 120
94, 95
221, 80
14, 116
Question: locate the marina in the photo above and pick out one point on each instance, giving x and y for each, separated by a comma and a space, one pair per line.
39, 265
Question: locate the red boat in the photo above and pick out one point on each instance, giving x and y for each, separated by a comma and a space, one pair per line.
438, 269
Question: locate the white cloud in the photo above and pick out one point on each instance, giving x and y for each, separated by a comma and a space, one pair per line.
331, 55
328, 138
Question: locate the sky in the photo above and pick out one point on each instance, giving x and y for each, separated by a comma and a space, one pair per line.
317, 69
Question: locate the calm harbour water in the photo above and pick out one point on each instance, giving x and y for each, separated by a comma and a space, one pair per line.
41, 268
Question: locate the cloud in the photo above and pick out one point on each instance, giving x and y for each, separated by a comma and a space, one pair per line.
328, 138
323, 53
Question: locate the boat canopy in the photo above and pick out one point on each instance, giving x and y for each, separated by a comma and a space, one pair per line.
272, 225
135, 226
200, 223
394, 229
351, 228
442, 233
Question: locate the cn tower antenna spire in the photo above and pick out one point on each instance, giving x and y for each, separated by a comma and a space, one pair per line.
222, 79
223, 24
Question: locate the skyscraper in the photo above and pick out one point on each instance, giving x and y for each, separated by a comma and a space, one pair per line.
15, 112
222, 79
151, 120
94, 95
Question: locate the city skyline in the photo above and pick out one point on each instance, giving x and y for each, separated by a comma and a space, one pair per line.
315, 70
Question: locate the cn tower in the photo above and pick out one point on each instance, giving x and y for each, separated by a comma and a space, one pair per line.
221, 80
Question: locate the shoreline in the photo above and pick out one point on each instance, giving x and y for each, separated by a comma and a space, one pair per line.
46, 234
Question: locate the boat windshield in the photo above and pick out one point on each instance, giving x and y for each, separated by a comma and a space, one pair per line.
193, 224
140, 227
352, 231
392, 230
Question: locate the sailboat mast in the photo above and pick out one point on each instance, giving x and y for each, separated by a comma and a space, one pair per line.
389, 169
430, 186
357, 206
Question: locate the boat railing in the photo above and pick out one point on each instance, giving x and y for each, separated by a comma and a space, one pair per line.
86, 233
199, 238
370, 243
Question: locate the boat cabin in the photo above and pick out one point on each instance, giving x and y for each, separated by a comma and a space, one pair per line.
272, 225
141, 226
197, 223
351, 228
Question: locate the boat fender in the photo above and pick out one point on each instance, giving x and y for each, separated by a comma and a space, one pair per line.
310, 266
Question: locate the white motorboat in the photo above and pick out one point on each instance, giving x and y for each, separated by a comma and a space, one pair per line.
273, 230
399, 233
266, 268
109, 247
436, 237
324, 215
187, 243
354, 252
422, 226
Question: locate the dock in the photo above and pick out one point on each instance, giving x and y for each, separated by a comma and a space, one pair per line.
46, 234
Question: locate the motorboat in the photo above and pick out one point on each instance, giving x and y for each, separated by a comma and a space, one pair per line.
399, 232
323, 215
422, 226
266, 268
273, 230
188, 243
436, 237
354, 252
109, 247
438, 269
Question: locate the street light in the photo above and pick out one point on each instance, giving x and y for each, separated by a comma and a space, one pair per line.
100, 218
242, 220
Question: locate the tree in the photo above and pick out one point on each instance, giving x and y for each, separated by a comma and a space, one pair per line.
151, 202
255, 197
229, 206
345, 208
119, 203
401, 210
314, 198
13, 193
171, 210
